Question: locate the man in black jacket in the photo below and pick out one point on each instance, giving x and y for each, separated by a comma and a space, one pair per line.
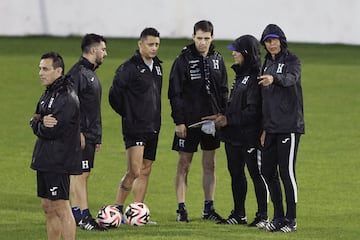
283, 124
198, 88
56, 156
135, 95
88, 88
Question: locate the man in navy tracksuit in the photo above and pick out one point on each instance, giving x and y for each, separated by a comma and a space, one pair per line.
283, 124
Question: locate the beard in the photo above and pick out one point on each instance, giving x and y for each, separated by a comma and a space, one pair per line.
99, 61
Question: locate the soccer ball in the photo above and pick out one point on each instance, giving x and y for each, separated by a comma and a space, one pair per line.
109, 217
137, 214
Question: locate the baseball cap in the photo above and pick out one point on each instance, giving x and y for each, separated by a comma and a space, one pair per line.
271, 35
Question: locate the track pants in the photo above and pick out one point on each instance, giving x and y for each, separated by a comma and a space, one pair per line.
237, 157
279, 156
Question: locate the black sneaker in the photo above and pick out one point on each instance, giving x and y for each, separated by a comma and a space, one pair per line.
290, 226
182, 215
234, 219
212, 215
259, 221
78, 222
275, 225
88, 223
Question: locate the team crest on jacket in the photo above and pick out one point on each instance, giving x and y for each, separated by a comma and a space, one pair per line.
158, 70
216, 64
280, 68
245, 80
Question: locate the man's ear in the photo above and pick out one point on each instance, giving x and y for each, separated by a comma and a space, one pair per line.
59, 70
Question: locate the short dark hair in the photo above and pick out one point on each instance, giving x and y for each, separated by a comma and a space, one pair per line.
57, 60
149, 32
89, 40
205, 26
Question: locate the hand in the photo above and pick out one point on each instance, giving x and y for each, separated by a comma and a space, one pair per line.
36, 117
49, 121
180, 131
82, 141
266, 80
97, 147
221, 121
262, 138
210, 117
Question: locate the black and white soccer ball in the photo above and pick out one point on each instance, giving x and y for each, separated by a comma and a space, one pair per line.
137, 214
109, 216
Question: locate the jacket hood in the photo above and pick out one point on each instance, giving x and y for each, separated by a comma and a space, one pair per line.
273, 30
248, 46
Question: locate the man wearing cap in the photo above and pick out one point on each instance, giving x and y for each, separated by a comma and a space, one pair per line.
283, 124
240, 130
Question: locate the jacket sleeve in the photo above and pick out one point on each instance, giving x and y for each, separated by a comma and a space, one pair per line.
117, 90
63, 110
34, 123
292, 72
176, 81
224, 90
80, 84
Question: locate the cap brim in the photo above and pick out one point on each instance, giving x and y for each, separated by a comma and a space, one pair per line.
271, 35
231, 47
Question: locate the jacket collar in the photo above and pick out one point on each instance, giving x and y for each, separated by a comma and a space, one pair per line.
87, 64
137, 59
194, 51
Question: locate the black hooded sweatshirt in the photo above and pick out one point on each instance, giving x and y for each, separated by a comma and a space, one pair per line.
243, 111
282, 104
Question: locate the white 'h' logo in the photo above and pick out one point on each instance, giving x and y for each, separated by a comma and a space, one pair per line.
85, 164
181, 143
245, 79
280, 67
216, 64
158, 70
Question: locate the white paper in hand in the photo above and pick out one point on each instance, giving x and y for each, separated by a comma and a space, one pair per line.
209, 128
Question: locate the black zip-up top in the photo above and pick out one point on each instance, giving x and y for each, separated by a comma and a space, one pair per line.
198, 85
243, 112
135, 94
57, 149
282, 100
88, 88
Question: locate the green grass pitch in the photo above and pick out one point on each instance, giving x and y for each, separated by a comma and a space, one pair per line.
327, 165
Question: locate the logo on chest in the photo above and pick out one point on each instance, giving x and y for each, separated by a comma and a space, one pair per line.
245, 80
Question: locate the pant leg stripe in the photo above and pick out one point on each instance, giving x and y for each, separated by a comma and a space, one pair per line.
291, 165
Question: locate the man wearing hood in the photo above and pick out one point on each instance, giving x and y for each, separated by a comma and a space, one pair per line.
197, 88
283, 124
241, 128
